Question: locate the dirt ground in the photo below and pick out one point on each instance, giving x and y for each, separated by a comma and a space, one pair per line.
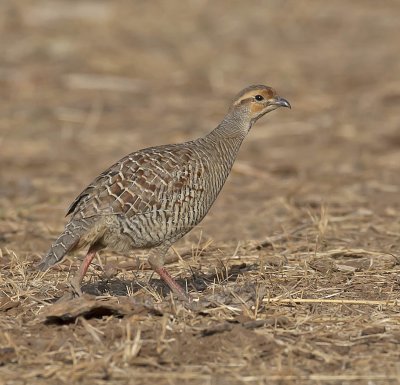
296, 265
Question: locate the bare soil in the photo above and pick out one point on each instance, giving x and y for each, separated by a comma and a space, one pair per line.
296, 267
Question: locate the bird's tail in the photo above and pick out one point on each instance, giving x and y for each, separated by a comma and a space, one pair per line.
67, 241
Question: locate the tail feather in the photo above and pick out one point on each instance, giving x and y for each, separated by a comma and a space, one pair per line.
64, 243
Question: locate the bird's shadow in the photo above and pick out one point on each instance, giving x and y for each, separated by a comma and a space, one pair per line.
197, 282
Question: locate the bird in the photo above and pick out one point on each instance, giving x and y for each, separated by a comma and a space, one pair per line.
152, 197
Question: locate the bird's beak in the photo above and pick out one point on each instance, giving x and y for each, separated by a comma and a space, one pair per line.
280, 102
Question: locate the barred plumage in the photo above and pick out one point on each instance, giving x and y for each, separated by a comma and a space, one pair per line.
151, 198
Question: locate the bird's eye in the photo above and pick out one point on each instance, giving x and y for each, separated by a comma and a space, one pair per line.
259, 98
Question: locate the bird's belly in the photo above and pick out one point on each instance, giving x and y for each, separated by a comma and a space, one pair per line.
162, 224
153, 228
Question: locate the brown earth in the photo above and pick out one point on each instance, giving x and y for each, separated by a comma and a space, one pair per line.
296, 265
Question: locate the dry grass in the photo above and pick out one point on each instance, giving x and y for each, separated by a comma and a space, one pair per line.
296, 267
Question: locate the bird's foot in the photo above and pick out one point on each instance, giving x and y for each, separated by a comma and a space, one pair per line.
177, 289
73, 291
75, 287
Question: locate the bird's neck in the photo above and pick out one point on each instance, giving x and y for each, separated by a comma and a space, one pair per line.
226, 139
233, 128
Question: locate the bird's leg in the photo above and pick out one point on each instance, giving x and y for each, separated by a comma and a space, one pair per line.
156, 261
76, 281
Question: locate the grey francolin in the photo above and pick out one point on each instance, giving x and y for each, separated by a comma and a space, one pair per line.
153, 197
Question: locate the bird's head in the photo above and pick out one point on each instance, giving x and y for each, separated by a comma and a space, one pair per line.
255, 101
